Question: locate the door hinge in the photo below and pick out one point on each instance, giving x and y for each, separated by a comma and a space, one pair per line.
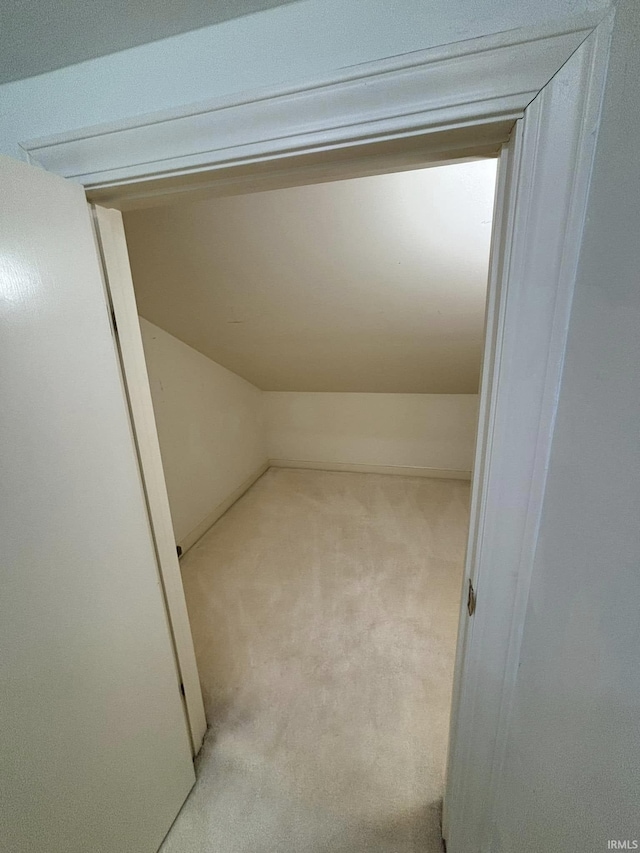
182, 689
471, 599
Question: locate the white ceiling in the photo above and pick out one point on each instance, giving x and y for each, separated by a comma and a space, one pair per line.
374, 284
41, 36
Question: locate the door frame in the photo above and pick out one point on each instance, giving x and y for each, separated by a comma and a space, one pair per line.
533, 97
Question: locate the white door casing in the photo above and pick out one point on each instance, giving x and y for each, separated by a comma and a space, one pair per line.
541, 198
93, 737
550, 82
435, 96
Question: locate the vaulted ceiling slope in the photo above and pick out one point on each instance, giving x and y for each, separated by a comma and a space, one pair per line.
36, 37
374, 284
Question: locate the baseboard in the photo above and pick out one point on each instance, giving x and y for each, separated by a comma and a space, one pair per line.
359, 468
208, 521
398, 470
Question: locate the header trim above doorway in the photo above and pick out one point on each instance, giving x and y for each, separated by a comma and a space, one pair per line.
486, 81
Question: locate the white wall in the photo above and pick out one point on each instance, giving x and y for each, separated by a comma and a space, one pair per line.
289, 44
217, 431
210, 429
417, 430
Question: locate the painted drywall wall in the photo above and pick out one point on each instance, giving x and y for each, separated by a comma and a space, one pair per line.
32, 44
209, 426
570, 779
434, 431
376, 284
286, 45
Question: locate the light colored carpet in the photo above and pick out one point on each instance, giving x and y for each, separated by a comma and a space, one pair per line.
324, 609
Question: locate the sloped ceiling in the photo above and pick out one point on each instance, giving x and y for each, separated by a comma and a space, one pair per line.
373, 285
36, 37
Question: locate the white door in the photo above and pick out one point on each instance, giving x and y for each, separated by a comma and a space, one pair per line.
94, 747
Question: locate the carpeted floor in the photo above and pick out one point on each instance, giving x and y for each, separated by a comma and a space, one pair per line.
324, 609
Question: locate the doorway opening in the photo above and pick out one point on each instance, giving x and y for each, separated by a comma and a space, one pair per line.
314, 357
